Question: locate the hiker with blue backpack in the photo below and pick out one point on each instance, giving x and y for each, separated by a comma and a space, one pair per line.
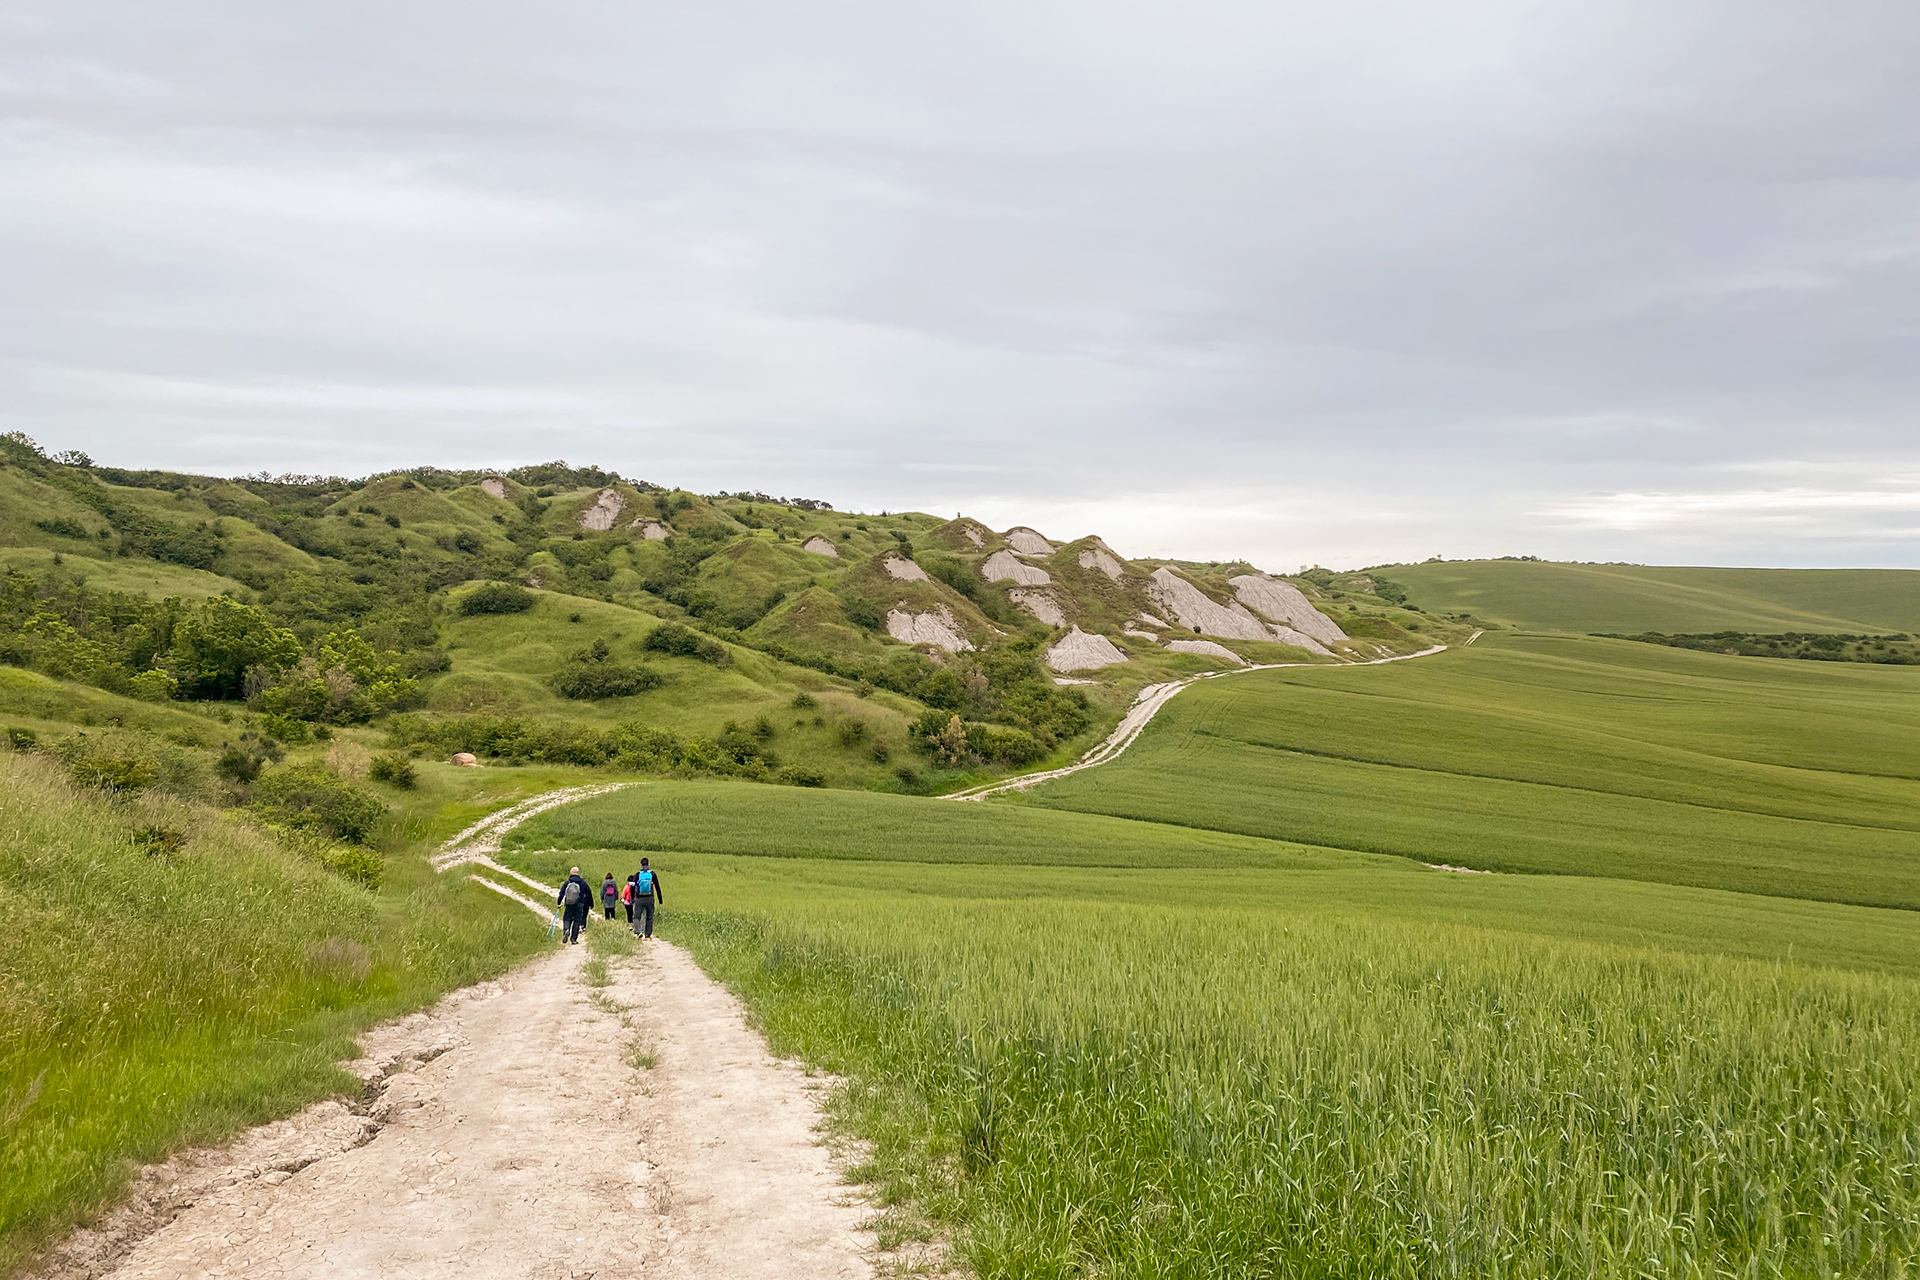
575, 900
646, 895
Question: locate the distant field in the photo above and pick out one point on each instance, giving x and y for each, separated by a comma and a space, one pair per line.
1633, 598
1559, 754
795, 822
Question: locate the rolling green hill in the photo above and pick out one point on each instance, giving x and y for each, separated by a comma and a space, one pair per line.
1624, 599
1577, 756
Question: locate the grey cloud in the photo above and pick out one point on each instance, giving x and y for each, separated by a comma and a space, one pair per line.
1470, 275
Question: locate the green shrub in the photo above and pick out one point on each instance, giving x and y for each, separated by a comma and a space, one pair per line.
113, 772
284, 728
684, 642
804, 702
592, 680
393, 768
153, 686
496, 597
308, 798
796, 776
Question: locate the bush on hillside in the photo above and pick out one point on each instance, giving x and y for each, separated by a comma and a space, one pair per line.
496, 597
587, 681
685, 642
308, 798
392, 768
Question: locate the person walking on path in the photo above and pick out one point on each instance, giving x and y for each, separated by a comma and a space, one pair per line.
626, 899
646, 895
609, 893
576, 900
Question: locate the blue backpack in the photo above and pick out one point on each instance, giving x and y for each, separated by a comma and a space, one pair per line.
643, 884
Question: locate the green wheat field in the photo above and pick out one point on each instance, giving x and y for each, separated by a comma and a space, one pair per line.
1209, 1011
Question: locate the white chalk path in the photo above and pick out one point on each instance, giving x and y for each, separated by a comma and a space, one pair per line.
529, 1127
1145, 707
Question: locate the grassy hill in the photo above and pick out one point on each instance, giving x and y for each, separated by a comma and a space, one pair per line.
1577, 756
1625, 599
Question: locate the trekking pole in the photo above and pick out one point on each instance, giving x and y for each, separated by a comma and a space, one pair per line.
553, 924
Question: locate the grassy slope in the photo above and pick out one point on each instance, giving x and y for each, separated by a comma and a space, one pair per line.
133, 576
1631, 598
1578, 756
147, 1002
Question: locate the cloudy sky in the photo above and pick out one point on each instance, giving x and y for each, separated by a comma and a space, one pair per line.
1344, 283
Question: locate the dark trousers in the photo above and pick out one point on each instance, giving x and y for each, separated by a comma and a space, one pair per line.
629, 913
643, 917
575, 921
609, 911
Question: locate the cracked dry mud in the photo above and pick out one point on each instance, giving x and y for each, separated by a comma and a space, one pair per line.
510, 1133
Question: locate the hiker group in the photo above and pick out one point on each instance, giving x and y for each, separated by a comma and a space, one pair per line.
640, 894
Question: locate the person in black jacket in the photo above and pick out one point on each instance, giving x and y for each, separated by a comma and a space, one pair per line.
575, 900
646, 894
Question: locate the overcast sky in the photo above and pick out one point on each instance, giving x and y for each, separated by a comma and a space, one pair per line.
1339, 283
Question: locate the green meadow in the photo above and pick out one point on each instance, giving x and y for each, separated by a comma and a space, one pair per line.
1555, 754
1630, 598
1203, 1011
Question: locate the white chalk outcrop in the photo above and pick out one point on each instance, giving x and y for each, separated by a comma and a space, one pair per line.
1285, 603
494, 487
974, 534
651, 530
1207, 648
1028, 542
820, 547
606, 508
1004, 566
1139, 635
1300, 640
1078, 651
1040, 604
1152, 619
1196, 611
905, 570
1102, 559
936, 628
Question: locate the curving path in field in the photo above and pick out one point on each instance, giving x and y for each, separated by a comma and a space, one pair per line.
1145, 707
559, 1122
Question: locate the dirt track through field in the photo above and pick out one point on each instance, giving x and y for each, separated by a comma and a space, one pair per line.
531, 1127
1147, 705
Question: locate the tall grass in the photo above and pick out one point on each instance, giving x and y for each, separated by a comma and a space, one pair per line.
169, 974
1084, 1089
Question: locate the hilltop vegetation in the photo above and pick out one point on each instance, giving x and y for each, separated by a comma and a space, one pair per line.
565, 614
1624, 599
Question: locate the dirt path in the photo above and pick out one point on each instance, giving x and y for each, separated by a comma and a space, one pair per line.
1145, 707
532, 1127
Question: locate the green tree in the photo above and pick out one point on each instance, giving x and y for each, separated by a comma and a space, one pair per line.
214, 646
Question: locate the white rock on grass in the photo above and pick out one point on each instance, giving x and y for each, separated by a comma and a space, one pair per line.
1078, 651
1100, 558
1208, 649
820, 547
1004, 566
1287, 635
936, 628
1040, 604
1197, 612
1152, 620
1285, 603
974, 534
494, 486
1139, 635
1028, 542
905, 570
606, 508
651, 530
